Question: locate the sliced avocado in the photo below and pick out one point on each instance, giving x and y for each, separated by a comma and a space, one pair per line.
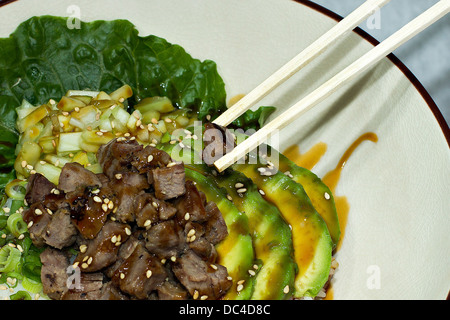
272, 239
235, 252
311, 238
320, 195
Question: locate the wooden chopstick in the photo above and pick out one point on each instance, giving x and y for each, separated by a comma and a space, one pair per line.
362, 64
299, 61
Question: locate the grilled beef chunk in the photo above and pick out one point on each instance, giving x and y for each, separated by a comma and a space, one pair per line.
169, 182
154, 215
38, 187
87, 287
53, 229
149, 158
165, 240
115, 156
140, 273
171, 290
216, 228
191, 203
196, 275
102, 251
60, 232
74, 175
54, 272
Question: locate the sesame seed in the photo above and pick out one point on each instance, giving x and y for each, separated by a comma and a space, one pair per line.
150, 127
168, 120
138, 123
30, 224
29, 167
122, 275
128, 231
83, 248
171, 164
98, 199
255, 266
154, 121
148, 274
89, 260
20, 248
192, 239
181, 145
154, 204
241, 190
196, 294
77, 109
173, 258
147, 223
213, 266
6, 209
238, 185
118, 176
187, 216
38, 212
229, 197
85, 258
96, 191
327, 196
241, 281
114, 239
104, 207
99, 133
262, 192
251, 272
191, 233
204, 297
150, 158
75, 265
240, 287
110, 205
106, 200
127, 134
208, 117
286, 289
229, 278
262, 169
84, 265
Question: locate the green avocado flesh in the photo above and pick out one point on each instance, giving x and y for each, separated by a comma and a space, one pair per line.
291, 263
310, 236
320, 195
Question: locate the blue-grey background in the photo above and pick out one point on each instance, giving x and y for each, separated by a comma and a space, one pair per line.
427, 55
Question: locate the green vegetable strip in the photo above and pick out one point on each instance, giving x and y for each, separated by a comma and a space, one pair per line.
31, 285
9, 259
20, 295
16, 189
16, 225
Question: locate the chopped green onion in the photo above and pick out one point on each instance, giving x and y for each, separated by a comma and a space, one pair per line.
16, 189
31, 286
20, 295
9, 258
16, 225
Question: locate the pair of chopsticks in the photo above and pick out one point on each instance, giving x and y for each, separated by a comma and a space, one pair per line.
368, 60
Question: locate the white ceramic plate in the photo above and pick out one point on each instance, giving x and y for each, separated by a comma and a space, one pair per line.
397, 238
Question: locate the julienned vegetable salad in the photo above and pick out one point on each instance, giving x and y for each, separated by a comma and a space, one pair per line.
65, 93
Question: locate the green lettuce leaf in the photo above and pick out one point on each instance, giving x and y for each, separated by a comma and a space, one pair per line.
44, 58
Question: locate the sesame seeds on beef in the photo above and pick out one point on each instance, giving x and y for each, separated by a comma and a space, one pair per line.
140, 229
